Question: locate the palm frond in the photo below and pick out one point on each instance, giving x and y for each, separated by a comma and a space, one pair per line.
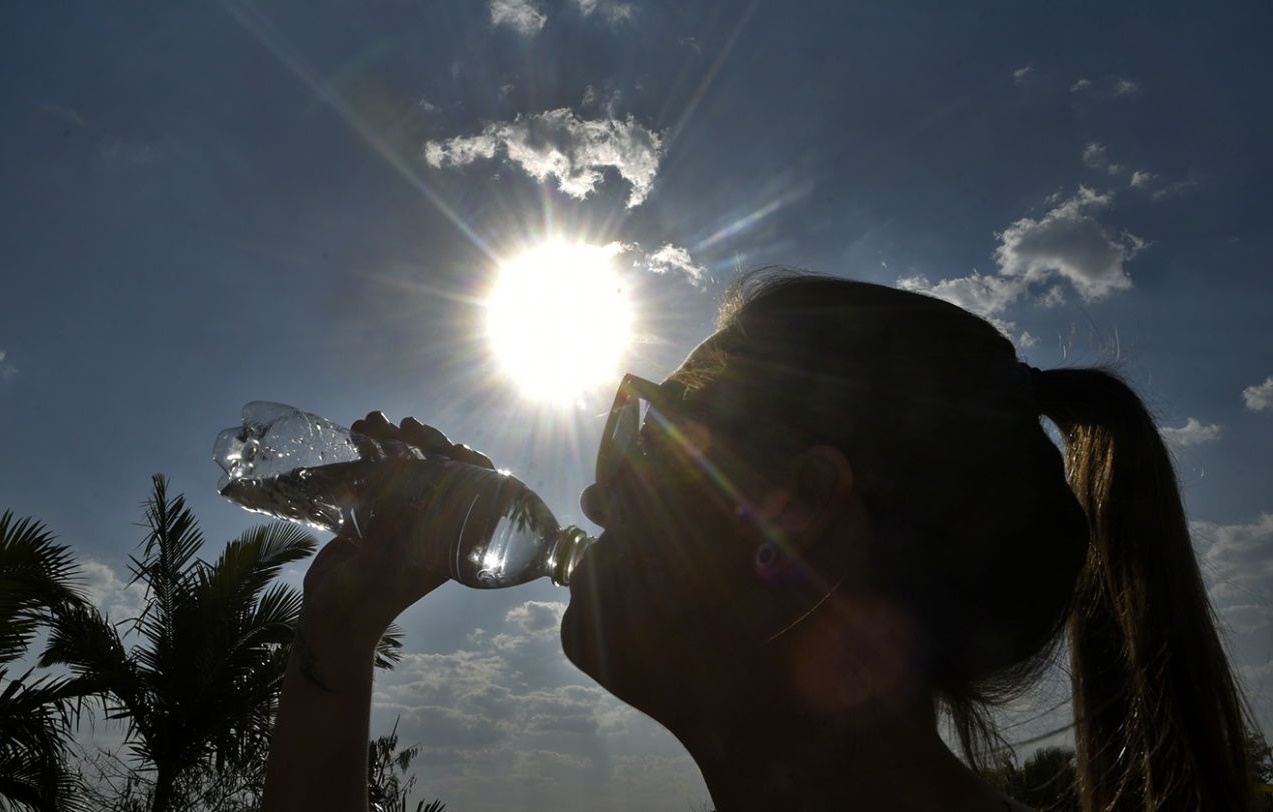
36, 575
171, 544
249, 563
35, 731
389, 648
81, 639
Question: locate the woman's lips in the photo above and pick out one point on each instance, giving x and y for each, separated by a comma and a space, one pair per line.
586, 563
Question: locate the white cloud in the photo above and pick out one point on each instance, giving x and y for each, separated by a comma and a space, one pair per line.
611, 11
668, 259
522, 15
1066, 244
983, 294
113, 596
1190, 434
1237, 567
1157, 187
1020, 75
1069, 242
559, 144
7, 370
1259, 398
607, 101
1142, 180
674, 258
1173, 189
530, 621
460, 151
516, 727
1095, 155
1238, 560
1247, 618
1107, 87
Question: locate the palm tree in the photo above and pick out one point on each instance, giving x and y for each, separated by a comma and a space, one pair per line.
37, 576
1046, 781
198, 688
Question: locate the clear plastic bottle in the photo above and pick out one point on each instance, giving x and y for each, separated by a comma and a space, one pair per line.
298, 466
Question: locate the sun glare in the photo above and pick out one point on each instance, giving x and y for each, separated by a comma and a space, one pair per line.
558, 319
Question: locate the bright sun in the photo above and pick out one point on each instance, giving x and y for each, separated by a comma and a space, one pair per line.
558, 319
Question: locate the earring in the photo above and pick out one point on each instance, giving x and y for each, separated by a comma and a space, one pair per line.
768, 560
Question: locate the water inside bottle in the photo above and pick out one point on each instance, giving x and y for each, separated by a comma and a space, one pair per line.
318, 497
499, 532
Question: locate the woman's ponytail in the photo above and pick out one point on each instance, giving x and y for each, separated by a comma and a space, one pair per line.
1160, 720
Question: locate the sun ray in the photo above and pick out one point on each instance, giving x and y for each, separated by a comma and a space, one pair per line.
262, 27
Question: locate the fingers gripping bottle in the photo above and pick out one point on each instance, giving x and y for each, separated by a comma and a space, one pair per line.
298, 466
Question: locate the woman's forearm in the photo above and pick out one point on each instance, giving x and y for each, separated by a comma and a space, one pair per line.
318, 754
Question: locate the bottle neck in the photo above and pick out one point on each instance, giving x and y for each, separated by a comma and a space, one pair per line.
567, 552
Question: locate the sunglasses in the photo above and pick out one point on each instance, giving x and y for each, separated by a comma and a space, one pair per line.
642, 411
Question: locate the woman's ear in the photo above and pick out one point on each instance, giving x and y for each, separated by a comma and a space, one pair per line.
813, 495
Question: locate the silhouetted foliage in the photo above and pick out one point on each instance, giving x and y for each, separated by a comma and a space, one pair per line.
389, 786
199, 686
1261, 757
1046, 781
37, 576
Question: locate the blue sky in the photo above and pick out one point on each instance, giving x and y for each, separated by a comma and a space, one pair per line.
206, 204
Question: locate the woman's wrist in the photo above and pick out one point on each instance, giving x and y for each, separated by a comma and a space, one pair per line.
333, 656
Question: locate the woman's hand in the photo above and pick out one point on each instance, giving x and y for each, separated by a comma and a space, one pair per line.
377, 566
417, 435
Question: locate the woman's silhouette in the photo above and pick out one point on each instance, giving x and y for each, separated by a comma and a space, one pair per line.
838, 520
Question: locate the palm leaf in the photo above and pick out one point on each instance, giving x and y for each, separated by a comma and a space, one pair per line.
81, 639
171, 544
35, 727
389, 648
36, 575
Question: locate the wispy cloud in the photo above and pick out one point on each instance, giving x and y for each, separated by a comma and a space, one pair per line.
114, 597
1142, 180
1190, 434
531, 621
559, 144
1238, 558
7, 370
1158, 187
611, 11
521, 15
1247, 618
507, 708
670, 258
1021, 75
1259, 398
1096, 156
1237, 568
1125, 87
1107, 87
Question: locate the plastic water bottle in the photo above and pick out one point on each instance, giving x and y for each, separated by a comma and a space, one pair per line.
298, 466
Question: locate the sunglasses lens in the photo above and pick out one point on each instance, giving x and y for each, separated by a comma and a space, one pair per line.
624, 431
627, 425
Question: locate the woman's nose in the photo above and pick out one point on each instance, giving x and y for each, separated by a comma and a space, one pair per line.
593, 505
